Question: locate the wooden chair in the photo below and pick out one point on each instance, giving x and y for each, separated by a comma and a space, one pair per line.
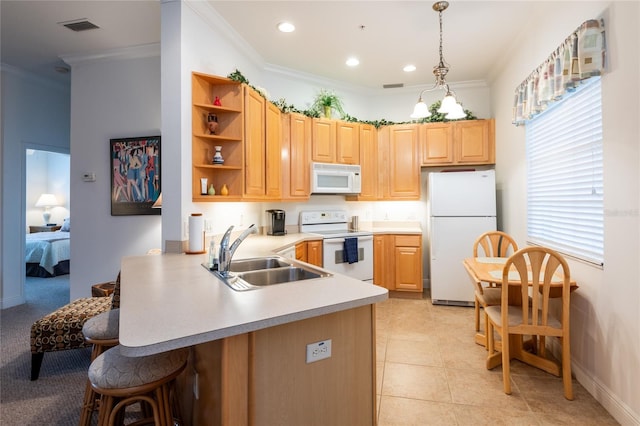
489, 244
534, 268
62, 328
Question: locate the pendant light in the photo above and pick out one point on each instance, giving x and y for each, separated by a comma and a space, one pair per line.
449, 104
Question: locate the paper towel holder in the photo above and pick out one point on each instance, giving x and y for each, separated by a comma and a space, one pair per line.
203, 238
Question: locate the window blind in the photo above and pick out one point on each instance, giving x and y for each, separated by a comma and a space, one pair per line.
564, 175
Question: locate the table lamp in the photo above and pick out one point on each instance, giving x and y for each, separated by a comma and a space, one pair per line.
47, 201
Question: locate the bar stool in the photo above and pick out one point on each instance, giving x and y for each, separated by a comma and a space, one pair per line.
122, 380
102, 333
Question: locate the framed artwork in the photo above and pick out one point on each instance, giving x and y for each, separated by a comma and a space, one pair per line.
135, 175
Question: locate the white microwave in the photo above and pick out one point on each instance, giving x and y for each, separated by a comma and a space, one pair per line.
335, 178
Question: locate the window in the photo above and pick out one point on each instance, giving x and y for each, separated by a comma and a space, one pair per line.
564, 175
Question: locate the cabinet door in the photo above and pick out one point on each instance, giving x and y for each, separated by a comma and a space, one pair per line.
383, 261
368, 163
408, 263
300, 142
474, 142
254, 148
404, 163
301, 251
273, 164
314, 253
436, 144
347, 143
323, 143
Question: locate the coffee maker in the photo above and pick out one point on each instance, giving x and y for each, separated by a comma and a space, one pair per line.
276, 222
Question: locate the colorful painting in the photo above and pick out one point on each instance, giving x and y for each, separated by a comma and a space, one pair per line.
135, 175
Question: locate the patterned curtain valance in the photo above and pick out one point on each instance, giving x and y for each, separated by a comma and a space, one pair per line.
580, 57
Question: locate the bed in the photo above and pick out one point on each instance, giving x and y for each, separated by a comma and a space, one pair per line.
47, 254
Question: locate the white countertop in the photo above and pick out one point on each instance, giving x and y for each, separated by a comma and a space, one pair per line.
170, 301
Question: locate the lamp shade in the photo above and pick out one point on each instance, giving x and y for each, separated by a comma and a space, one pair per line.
47, 200
420, 110
456, 113
158, 203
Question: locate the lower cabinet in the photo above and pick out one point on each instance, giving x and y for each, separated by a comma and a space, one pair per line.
398, 262
310, 252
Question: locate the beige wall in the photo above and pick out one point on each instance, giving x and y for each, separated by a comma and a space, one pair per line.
605, 328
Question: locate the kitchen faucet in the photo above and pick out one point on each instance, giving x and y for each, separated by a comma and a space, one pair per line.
226, 251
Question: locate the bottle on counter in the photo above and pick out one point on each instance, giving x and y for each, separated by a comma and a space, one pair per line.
213, 255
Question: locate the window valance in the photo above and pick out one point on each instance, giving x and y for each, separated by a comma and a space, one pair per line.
578, 58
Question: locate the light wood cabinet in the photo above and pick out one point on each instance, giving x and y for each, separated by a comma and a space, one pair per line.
369, 170
470, 142
436, 144
399, 163
408, 262
273, 163
314, 253
310, 252
398, 262
474, 142
347, 142
296, 145
323, 142
229, 135
254, 143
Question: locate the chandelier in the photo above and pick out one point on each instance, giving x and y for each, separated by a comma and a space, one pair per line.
449, 104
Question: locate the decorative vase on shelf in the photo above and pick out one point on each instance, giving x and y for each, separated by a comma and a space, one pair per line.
224, 190
217, 157
212, 123
217, 102
212, 190
327, 112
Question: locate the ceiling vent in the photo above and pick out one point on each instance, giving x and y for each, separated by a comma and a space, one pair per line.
79, 25
392, 86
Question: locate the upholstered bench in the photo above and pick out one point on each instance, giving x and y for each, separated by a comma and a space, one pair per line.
62, 329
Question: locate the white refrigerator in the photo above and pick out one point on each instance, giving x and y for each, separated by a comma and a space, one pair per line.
461, 206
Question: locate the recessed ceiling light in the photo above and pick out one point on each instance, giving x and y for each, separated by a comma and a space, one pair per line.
286, 27
409, 68
352, 62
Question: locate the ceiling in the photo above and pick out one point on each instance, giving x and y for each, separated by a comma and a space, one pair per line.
384, 35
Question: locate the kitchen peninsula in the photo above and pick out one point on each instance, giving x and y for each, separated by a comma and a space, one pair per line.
248, 348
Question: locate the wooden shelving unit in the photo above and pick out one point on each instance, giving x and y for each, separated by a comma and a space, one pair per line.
229, 135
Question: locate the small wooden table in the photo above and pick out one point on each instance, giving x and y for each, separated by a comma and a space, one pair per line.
489, 269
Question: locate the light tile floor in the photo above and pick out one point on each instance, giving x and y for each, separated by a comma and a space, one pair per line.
430, 372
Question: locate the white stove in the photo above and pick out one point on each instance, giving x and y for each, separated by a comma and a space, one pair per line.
333, 225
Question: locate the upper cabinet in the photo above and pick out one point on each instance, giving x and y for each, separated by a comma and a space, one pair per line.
470, 142
399, 163
296, 156
368, 147
348, 142
335, 141
323, 141
254, 143
217, 100
273, 162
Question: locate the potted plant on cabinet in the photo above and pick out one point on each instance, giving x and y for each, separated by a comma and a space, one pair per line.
326, 101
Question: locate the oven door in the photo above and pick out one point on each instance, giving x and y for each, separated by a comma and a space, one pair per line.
333, 249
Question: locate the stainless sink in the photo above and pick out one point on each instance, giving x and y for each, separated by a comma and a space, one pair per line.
244, 265
279, 275
255, 273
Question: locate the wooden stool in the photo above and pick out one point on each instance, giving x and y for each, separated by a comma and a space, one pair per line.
102, 332
122, 380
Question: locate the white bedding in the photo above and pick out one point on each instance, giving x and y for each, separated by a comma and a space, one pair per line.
47, 249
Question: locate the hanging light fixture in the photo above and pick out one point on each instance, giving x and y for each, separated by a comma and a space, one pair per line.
449, 104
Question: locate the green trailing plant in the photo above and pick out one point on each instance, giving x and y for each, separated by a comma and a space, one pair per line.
330, 99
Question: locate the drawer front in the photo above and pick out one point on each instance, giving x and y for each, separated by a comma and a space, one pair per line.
408, 240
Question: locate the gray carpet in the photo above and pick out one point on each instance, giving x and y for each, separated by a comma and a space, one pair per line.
56, 397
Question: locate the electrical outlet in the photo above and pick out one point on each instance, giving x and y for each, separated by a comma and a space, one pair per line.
319, 350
